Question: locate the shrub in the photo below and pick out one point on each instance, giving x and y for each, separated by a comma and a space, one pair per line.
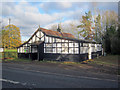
6, 55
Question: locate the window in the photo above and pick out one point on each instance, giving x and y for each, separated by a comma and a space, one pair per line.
84, 50
85, 44
65, 50
34, 49
54, 39
54, 50
76, 50
26, 49
70, 44
58, 44
70, 50
58, 40
63, 44
66, 44
63, 40
76, 45
66, 40
93, 49
54, 44
59, 50
48, 50
81, 44
49, 45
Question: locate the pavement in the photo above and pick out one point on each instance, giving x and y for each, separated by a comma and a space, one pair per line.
18, 75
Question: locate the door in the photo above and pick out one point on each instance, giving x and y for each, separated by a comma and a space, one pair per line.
34, 51
41, 51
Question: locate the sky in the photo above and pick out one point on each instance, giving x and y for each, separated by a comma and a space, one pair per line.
28, 14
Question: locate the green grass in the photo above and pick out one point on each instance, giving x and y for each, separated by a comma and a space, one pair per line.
17, 59
9, 53
102, 63
111, 60
106, 60
0, 55
10, 50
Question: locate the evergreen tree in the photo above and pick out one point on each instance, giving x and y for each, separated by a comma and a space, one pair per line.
98, 28
86, 26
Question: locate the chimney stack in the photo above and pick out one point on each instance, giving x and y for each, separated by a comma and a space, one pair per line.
59, 30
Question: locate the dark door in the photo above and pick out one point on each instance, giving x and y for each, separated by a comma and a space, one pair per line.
41, 51
34, 55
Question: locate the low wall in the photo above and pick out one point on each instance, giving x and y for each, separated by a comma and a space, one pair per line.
60, 57
65, 57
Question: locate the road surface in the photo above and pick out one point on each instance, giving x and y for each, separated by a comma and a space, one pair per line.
44, 77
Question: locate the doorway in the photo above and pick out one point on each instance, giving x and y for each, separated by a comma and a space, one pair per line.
37, 50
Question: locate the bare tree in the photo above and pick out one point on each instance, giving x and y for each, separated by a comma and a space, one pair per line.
54, 27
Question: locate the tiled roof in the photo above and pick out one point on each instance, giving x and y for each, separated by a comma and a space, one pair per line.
55, 33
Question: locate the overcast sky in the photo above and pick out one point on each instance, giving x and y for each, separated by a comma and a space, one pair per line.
28, 15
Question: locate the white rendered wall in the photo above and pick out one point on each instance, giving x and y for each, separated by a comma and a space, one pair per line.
90, 52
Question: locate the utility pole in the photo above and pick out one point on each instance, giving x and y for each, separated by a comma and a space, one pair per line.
9, 21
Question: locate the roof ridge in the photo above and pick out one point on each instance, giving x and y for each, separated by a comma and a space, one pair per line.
56, 33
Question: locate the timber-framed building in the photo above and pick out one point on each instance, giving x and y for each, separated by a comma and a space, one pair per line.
56, 45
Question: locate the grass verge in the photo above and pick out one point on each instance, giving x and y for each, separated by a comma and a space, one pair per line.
17, 59
109, 60
10, 50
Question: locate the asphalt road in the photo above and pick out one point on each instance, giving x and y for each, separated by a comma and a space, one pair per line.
14, 77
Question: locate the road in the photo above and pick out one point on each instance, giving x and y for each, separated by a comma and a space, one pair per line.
21, 77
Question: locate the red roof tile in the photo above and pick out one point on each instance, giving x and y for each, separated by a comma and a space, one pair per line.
55, 33
52, 33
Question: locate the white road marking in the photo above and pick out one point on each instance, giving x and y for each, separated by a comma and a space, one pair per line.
73, 76
15, 82
10, 81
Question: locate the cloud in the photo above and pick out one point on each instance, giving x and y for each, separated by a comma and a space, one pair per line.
24, 15
57, 6
65, 4
66, 26
28, 16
